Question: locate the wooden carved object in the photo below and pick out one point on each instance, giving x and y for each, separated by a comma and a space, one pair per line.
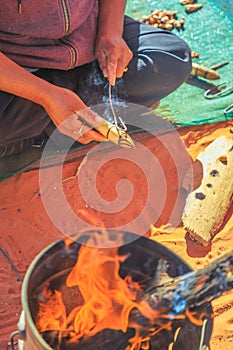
207, 206
193, 7
204, 72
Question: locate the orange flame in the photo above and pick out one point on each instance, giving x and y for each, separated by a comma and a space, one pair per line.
52, 312
108, 300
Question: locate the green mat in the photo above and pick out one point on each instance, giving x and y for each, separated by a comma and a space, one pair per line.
209, 32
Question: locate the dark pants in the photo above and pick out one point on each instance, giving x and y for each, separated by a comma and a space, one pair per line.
161, 63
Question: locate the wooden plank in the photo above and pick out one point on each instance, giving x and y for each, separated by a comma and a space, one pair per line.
207, 206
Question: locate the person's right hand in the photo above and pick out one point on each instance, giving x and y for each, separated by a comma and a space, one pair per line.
70, 114
113, 55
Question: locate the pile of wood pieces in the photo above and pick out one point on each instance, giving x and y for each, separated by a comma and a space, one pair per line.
190, 5
164, 19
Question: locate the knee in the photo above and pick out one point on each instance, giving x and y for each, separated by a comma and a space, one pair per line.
154, 75
161, 63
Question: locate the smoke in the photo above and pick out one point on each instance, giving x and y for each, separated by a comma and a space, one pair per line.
118, 95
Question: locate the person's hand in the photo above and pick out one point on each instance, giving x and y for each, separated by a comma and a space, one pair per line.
113, 55
70, 114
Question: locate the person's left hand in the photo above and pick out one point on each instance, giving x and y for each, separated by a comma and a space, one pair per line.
113, 55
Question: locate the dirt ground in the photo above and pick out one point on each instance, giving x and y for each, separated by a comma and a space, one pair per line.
26, 227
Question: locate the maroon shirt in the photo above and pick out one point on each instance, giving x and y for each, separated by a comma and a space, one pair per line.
49, 33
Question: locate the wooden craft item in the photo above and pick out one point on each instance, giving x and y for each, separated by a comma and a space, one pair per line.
204, 72
193, 7
206, 207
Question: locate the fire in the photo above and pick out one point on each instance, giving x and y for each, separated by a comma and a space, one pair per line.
108, 301
52, 312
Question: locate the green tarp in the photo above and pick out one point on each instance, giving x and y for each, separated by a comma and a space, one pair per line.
209, 32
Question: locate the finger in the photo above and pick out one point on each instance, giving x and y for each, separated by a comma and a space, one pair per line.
87, 133
112, 74
107, 59
102, 60
85, 136
123, 63
91, 134
112, 63
72, 123
121, 69
77, 127
90, 118
78, 120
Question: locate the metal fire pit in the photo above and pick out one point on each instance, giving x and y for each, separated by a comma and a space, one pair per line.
54, 263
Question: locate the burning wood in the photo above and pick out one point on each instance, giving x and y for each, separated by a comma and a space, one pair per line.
113, 302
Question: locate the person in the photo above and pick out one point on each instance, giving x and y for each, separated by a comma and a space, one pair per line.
56, 59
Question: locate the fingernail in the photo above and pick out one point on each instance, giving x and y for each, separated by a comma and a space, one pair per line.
112, 81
